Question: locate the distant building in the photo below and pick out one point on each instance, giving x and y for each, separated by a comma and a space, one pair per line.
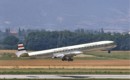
21, 33
13, 33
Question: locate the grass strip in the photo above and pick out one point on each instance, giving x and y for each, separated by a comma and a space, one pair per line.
64, 71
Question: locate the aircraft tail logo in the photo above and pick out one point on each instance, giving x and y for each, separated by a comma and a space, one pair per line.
20, 47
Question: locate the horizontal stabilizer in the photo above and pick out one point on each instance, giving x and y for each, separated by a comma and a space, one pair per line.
22, 53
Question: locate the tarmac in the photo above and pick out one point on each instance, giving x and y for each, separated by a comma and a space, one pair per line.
36, 76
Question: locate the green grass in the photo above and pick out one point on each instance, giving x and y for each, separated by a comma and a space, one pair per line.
95, 55
10, 56
64, 71
113, 55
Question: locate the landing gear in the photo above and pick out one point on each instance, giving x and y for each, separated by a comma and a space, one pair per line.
66, 58
70, 59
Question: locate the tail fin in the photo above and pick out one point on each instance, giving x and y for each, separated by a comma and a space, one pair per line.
21, 51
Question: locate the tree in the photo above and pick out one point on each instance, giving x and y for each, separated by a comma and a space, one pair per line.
10, 42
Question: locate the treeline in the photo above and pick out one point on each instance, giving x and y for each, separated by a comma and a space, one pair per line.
39, 40
42, 39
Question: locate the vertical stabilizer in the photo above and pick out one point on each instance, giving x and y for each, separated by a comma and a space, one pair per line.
21, 51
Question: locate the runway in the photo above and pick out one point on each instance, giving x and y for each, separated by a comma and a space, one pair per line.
64, 76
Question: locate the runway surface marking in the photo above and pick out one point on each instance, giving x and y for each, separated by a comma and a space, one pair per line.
64, 76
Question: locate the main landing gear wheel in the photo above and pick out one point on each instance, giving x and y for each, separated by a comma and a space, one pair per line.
67, 59
109, 51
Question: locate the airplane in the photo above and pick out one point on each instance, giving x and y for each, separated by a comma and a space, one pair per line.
67, 53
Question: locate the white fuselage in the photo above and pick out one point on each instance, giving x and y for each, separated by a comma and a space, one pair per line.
75, 49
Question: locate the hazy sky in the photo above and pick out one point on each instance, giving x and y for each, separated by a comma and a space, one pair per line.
65, 14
